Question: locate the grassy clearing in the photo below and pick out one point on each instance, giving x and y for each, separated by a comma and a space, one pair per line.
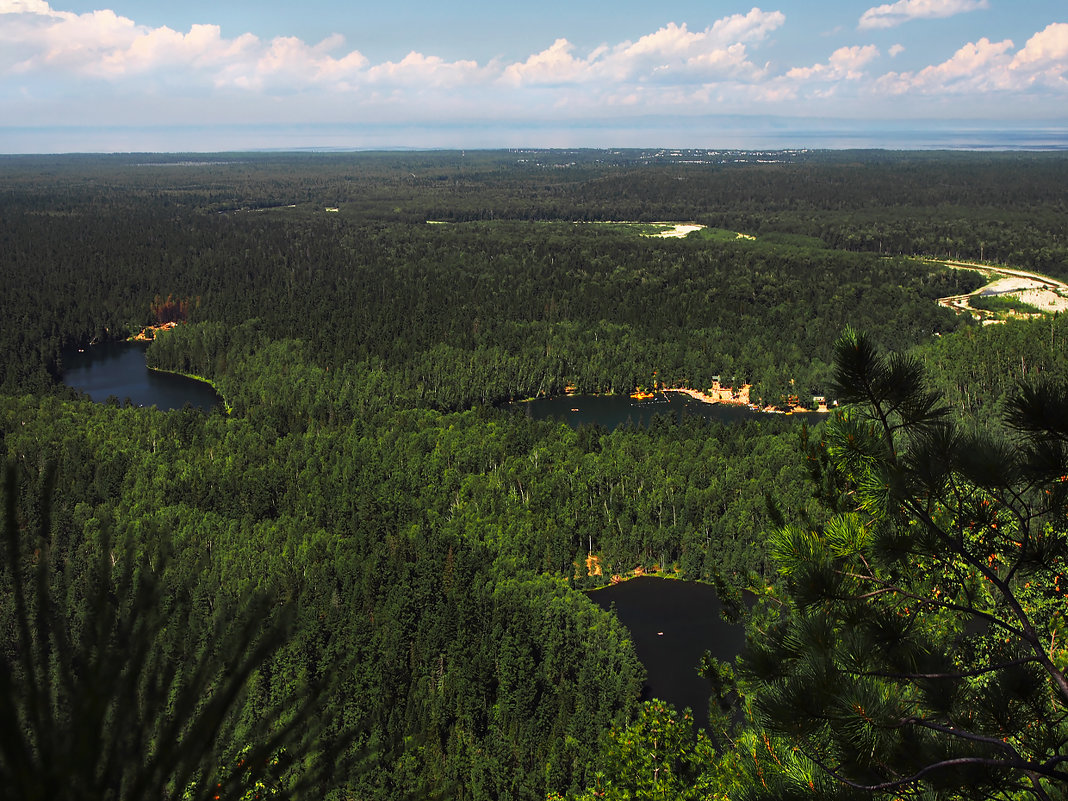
721, 235
659, 229
1002, 304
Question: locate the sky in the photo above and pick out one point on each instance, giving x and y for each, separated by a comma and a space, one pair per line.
131, 75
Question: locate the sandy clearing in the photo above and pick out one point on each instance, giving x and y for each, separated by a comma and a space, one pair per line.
1044, 299
677, 231
1011, 285
1040, 291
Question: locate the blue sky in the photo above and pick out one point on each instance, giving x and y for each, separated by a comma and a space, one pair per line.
127, 75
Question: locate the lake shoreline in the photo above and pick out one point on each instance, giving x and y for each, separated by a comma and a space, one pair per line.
693, 394
673, 625
593, 563
227, 407
119, 368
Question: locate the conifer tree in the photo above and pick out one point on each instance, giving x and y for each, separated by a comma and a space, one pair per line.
111, 688
920, 650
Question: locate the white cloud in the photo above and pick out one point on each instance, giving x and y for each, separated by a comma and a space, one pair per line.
24, 7
554, 65
977, 67
891, 14
986, 67
104, 44
751, 27
202, 47
286, 63
425, 71
1044, 58
672, 52
34, 38
844, 63
896, 50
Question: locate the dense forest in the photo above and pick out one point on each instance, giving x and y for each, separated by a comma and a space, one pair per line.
425, 549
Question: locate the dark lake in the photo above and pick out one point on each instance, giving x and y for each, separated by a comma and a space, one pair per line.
672, 623
118, 368
610, 411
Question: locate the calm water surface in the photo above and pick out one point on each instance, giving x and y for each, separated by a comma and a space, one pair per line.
118, 369
672, 623
610, 411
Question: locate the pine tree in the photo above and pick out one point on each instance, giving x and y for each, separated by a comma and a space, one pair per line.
112, 688
920, 650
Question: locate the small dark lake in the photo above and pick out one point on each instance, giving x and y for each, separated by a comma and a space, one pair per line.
610, 411
118, 369
672, 623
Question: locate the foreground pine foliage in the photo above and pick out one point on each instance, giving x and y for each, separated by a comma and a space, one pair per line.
921, 652
113, 687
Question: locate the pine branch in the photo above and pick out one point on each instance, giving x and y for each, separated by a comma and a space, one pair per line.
896, 784
959, 674
965, 735
888, 587
1027, 631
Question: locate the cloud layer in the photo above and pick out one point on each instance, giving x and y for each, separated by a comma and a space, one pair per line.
726, 67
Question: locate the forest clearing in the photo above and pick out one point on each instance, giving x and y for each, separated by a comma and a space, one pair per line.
677, 230
1040, 292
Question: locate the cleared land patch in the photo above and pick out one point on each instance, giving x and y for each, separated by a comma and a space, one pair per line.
992, 303
677, 230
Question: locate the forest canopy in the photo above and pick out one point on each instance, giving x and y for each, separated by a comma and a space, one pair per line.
365, 316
